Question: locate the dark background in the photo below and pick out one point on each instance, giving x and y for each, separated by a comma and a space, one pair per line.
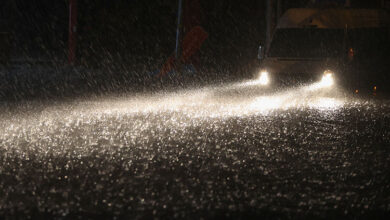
121, 31
137, 30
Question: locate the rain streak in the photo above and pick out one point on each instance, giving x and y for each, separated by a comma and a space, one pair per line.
195, 151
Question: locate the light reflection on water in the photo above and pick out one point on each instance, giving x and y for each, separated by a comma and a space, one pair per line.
235, 100
153, 147
179, 109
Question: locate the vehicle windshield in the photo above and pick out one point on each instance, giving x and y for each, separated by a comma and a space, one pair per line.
321, 43
307, 43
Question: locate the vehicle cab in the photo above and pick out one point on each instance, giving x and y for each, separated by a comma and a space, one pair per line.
344, 46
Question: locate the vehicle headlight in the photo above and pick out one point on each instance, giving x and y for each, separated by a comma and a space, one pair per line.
327, 79
263, 78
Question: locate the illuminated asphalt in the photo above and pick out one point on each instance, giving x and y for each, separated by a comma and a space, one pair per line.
231, 151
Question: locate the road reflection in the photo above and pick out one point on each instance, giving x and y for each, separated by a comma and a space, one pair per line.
232, 100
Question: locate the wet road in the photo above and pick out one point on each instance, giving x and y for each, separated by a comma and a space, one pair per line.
231, 151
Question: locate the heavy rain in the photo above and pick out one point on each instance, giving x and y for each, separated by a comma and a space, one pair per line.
123, 135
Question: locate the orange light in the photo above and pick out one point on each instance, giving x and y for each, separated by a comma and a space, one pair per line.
374, 88
351, 53
356, 91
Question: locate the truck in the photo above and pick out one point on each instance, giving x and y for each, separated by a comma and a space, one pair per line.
334, 46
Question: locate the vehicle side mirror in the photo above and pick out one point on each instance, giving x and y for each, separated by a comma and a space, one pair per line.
260, 53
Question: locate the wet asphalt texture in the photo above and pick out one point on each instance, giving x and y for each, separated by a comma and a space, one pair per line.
196, 157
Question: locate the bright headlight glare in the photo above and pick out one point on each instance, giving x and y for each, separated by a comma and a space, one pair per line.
263, 78
327, 79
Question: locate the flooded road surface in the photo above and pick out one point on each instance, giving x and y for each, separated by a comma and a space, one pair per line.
236, 151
